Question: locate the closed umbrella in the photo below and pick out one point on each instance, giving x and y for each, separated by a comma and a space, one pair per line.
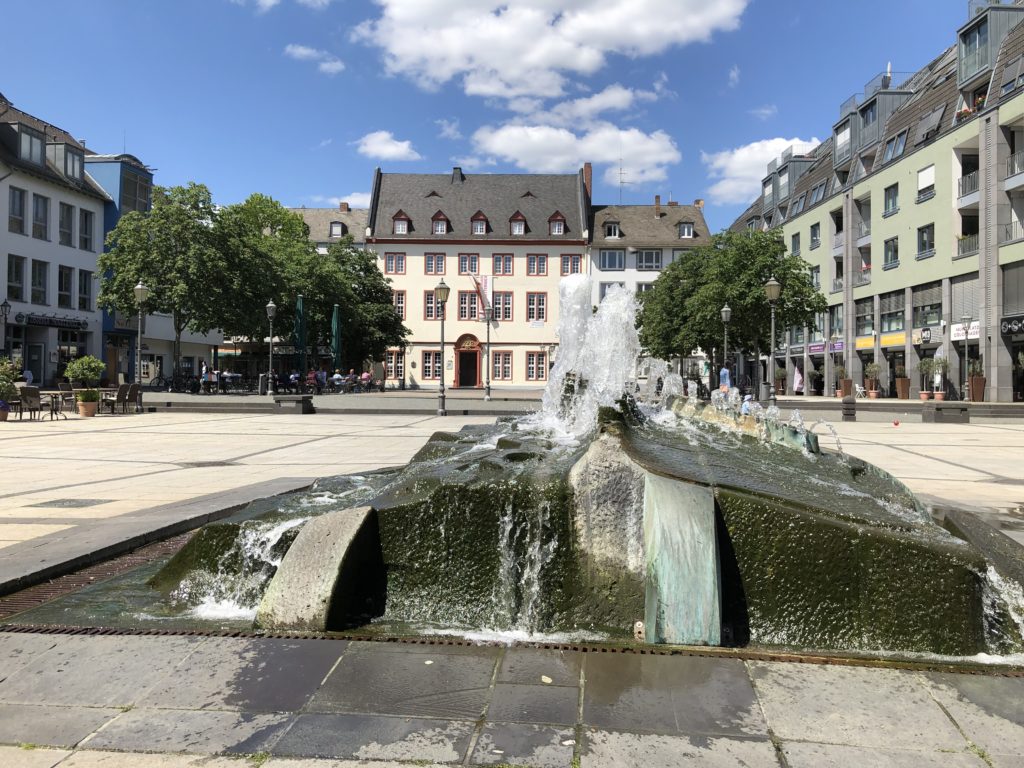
336, 337
300, 333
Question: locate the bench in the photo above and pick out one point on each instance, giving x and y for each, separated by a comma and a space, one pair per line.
302, 403
943, 412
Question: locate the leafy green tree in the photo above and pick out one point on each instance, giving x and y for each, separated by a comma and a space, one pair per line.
172, 250
682, 312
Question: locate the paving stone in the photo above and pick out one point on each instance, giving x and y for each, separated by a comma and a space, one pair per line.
249, 675
97, 759
369, 737
670, 694
534, 704
16, 757
18, 650
428, 648
310, 762
805, 755
169, 730
51, 726
990, 710
537, 746
529, 666
878, 708
97, 671
609, 749
425, 685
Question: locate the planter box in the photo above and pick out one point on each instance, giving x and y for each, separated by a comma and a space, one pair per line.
847, 388
977, 387
87, 409
903, 388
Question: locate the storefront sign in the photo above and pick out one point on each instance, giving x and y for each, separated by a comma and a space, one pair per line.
894, 339
956, 331
838, 346
123, 322
921, 336
796, 350
1011, 325
816, 349
51, 322
865, 342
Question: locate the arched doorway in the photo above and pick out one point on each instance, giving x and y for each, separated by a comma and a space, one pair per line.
467, 361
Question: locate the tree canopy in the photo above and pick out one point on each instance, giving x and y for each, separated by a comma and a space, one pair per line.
682, 311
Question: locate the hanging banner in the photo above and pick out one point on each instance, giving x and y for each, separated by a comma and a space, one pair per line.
894, 339
956, 331
865, 342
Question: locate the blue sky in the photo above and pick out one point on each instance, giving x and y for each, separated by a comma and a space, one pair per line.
302, 99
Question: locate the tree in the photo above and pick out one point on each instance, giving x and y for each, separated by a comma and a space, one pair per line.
682, 312
171, 249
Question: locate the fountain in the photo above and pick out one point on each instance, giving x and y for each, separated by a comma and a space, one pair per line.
594, 514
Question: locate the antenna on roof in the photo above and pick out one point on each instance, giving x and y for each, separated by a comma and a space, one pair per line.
622, 180
124, 141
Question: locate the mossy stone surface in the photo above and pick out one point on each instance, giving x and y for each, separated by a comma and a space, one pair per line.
203, 552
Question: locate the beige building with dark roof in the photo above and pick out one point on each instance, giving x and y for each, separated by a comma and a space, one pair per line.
331, 225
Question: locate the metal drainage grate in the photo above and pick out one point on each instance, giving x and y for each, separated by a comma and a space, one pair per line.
198, 464
71, 503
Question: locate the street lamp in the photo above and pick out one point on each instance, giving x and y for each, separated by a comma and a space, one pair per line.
832, 349
5, 311
441, 293
271, 313
488, 316
726, 317
141, 294
966, 320
772, 291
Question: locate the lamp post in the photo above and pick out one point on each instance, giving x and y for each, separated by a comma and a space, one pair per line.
5, 311
726, 317
772, 291
141, 294
441, 292
966, 320
271, 313
488, 316
832, 350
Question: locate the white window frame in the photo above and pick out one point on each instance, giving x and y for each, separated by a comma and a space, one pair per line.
479, 227
611, 230
685, 230
337, 229
611, 260
557, 227
401, 226
440, 227
648, 260
517, 228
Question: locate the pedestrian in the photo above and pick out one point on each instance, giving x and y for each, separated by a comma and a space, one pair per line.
204, 378
745, 408
798, 382
723, 379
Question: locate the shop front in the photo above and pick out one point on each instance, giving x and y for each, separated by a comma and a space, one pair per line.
45, 345
816, 384
894, 354
1011, 329
925, 342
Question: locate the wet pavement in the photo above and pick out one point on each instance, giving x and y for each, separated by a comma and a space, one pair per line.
78, 700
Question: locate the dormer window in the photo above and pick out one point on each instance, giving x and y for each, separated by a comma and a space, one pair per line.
685, 229
517, 224
611, 230
337, 229
400, 223
31, 145
479, 227
439, 224
73, 162
556, 224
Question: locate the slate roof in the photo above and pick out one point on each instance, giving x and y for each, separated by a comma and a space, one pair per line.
639, 226
9, 155
1009, 56
753, 210
820, 170
459, 196
319, 222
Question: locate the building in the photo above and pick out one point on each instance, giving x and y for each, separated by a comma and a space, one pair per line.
501, 242
53, 234
911, 217
331, 225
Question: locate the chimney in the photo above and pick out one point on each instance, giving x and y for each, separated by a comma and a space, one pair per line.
698, 203
343, 207
672, 203
588, 178
457, 175
657, 206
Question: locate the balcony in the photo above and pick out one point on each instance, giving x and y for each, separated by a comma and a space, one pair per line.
1014, 171
862, 277
1010, 232
968, 184
864, 234
972, 63
843, 152
783, 191
837, 284
966, 245
838, 241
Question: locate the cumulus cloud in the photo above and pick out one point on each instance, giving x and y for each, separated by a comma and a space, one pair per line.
553, 149
382, 145
734, 76
766, 112
531, 48
449, 129
585, 110
354, 199
262, 6
317, 5
738, 172
325, 62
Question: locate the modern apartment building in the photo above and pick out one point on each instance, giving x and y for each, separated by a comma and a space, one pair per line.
911, 216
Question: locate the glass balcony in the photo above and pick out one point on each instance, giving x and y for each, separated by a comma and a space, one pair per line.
1015, 164
968, 184
966, 245
863, 277
837, 284
972, 63
1012, 231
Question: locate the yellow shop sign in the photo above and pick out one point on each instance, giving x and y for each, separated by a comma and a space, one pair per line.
865, 342
894, 339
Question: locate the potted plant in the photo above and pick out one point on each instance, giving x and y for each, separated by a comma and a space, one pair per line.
780, 380
89, 370
871, 371
814, 377
927, 369
902, 383
976, 378
8, 391
940, 367
840, 374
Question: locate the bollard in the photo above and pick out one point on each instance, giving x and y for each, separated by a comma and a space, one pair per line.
849, 408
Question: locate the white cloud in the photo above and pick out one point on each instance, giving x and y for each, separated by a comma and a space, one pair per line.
738, 172
532, 47
553, 149
317, 5
449, 129
326, 62
262, 6
382, 145
766, 112
354, 199
585, 110
325, 143
734, 76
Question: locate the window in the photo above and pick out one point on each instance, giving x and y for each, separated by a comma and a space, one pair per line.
31, 145
73, 163
612, 260
501, 305
815, 236
557, 227
926, 184
40, 217
65, 279
431, 365
767, 190
926, 241
929, 124
395, 363
797, 206
39, 275
817, 193
892, 253
572, 264
843, 140
135, 191
1011, 75
892, 315
536, 366
16, 211
685, 229
518, 227
84, 290
648, 260
927, 305
536, 306
503, 263
611, 229
398, 297
869, 114
892, 200
536, 264
431, 311
394, 263
66, 223
440, 227
603, 289
469, 304
85, 229
816, 277
401, 226
479, 227
337, 229
864, 313
644, 287
16, 277
835, 320
794, 247
433, 263
894, 147
501, 366
469, 264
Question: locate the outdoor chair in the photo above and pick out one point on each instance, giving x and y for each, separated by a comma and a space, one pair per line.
859, 391
31, 401
134, 395
66, 395
120, 398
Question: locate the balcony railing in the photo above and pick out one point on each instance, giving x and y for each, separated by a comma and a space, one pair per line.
783, 191
837, 284
1015, 164
967, 245
865, 228
968, 184
838, 240
843, 151
972, 63
863, 277
1012, 231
